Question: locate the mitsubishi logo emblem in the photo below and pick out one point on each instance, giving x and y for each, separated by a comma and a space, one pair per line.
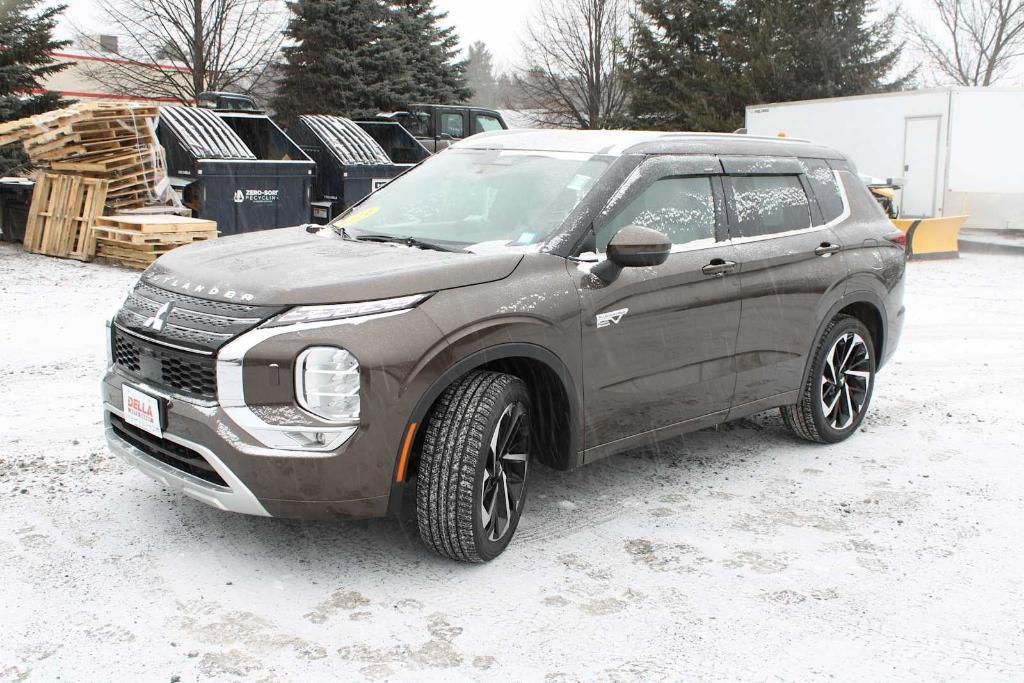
156, 323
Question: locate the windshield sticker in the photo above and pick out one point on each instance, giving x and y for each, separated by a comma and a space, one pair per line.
359, 216
579, 183
526, 238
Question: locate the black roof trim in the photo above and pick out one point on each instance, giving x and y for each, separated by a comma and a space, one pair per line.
619, 142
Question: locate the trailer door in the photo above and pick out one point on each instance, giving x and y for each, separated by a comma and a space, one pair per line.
920, 166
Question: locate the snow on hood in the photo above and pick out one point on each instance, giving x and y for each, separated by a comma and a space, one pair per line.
290, 266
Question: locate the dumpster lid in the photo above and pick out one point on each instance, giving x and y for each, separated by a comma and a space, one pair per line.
350, 143
204, 134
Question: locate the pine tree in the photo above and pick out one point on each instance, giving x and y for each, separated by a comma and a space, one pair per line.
335, 61
480, 75
695, 64
799, 49
430, 53
26, 41
360, 57
679, 73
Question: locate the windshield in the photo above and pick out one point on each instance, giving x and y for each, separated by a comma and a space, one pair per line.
473, 198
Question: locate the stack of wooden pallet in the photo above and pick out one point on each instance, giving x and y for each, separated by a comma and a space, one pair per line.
138, 240
102, 140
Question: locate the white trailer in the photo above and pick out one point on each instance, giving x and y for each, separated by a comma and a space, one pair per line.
957, 150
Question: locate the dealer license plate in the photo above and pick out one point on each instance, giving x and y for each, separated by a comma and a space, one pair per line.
141, 410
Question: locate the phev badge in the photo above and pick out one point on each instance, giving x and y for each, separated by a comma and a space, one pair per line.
611, 317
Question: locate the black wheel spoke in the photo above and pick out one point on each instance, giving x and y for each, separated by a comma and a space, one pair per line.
505, 472
845, 380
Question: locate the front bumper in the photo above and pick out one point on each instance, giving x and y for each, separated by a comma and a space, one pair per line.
353, 479
235, 497
258, 480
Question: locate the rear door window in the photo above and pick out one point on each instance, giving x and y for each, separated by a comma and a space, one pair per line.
764, 205
485, 123
681, 208
451, 124
825, 187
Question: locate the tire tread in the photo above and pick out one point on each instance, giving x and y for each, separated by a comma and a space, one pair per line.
455, 436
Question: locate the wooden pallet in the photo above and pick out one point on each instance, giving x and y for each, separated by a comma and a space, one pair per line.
136, 240
61, 218
142, 223
157, 238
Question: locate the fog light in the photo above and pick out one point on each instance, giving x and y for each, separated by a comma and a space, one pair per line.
327, 383
315, 440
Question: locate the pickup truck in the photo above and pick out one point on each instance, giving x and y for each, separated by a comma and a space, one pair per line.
437, 126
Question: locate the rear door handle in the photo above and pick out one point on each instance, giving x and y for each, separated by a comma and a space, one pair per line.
827, 249
719, 267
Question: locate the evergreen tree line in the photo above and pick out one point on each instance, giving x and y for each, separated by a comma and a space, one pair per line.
689, 64
359, 57
696, 64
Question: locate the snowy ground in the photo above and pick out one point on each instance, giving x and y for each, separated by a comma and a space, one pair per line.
736, 553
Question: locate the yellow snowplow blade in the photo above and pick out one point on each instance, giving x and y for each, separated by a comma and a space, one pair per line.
931, 237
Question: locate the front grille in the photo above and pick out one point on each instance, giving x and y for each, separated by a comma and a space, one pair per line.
196, 324
177, 456
171, 339
179, 371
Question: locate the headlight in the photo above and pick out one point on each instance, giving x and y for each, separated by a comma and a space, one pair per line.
313, 314
327, 383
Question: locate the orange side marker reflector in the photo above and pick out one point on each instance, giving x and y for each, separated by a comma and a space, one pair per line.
403, 459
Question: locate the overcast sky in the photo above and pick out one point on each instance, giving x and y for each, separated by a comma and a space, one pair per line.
499, 23
496, 22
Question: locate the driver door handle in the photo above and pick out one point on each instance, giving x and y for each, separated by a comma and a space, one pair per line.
827, 249
719, 267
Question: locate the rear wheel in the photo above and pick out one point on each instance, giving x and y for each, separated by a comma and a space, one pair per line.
471, 486
838, 389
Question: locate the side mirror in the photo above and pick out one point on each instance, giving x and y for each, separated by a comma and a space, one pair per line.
633, 247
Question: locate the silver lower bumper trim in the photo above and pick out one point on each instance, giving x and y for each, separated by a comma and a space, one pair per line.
234, 498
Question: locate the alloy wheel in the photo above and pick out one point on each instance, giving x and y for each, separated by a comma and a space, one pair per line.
845, 380
504, 481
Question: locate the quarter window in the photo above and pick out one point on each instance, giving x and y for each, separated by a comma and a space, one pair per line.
825, 187
451, 124
486, 123
681, 208
763, 205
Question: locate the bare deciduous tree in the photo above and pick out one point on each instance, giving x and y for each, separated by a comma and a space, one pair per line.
979, 41
571, 77
216, 44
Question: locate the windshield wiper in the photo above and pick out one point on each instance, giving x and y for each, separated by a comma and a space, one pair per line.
407, 241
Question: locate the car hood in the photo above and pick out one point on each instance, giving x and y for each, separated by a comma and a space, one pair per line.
291, 266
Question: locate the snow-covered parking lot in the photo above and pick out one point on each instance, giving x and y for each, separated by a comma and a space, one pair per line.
736, 553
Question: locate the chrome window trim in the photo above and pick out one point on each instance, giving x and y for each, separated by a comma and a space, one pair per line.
802, 231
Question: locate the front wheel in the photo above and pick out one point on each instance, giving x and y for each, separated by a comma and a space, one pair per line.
838, 389
471, 486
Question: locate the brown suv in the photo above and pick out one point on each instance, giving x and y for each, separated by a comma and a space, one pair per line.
524, 297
